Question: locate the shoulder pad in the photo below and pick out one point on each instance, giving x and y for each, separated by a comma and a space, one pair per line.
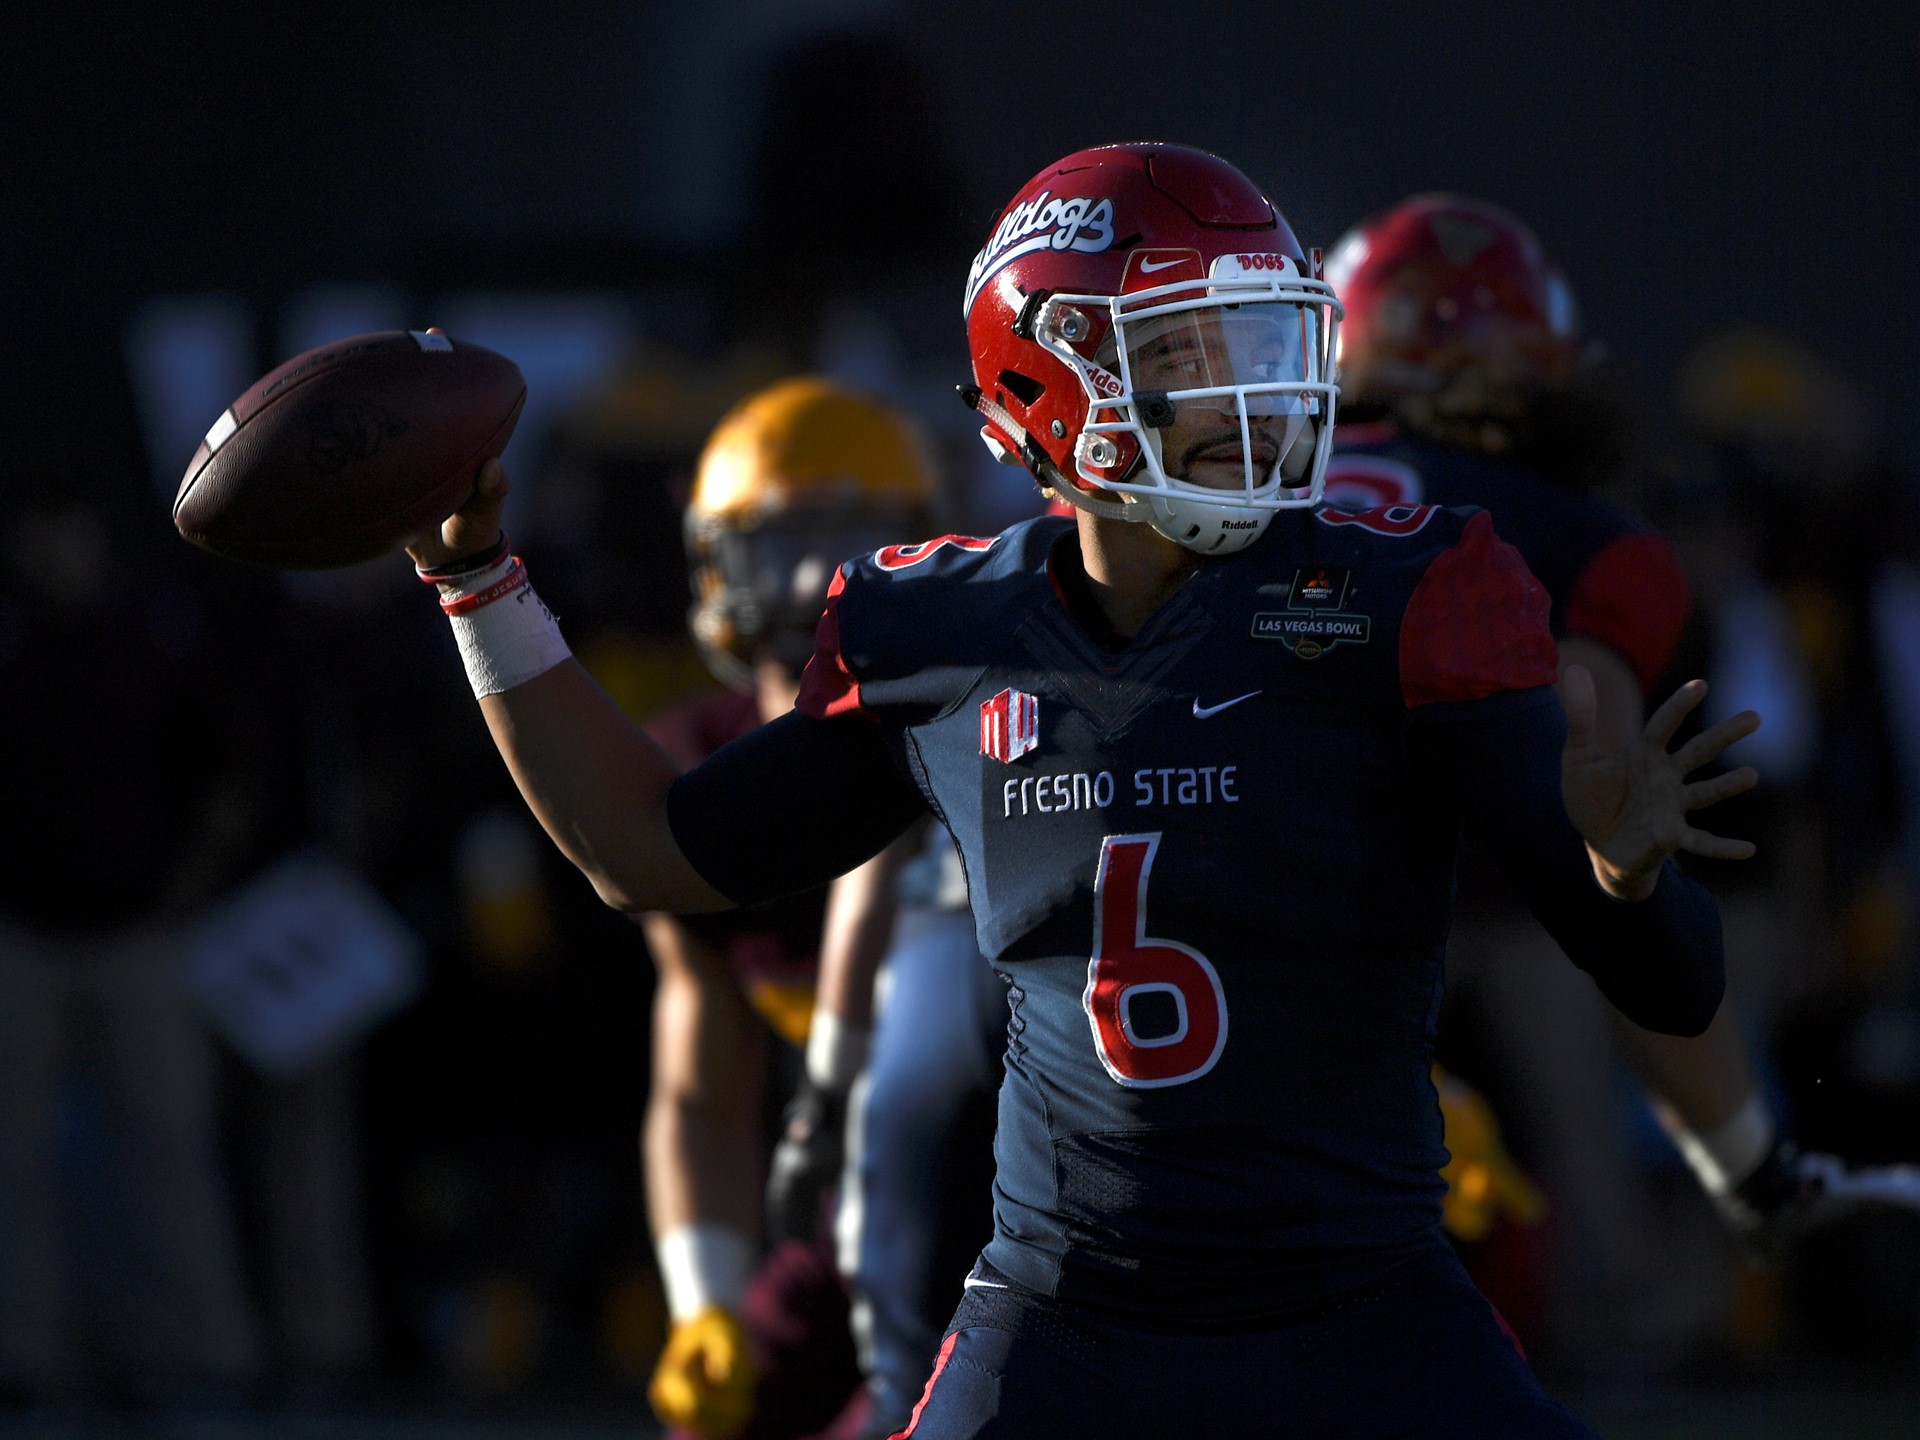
1362, 480
904, 623
918, 556
1390, 537
1396, 522
1632, 596
1477, 621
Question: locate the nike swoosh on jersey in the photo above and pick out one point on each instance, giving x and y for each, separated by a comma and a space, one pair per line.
972, 1284
1201, 712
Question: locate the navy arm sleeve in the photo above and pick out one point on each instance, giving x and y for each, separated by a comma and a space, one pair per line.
1658, 960
791, 805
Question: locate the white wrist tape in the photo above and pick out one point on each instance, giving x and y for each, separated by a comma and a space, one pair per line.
505, 631
701, 1265
1731, 1151
836, 1052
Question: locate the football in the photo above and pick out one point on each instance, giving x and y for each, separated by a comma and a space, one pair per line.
349, 451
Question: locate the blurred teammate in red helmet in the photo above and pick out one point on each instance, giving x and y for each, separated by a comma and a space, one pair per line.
1460, 359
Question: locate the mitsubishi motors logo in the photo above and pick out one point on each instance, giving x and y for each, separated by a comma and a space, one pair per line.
1009, 725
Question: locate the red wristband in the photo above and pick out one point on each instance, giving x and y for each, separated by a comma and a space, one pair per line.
513, 580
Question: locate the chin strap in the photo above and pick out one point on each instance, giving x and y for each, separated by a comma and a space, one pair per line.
1108, 504
1046, 474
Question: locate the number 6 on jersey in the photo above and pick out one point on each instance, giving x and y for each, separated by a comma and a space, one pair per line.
1126, 965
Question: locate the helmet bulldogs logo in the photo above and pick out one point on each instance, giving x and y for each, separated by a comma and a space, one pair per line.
1080, 223
1009, 725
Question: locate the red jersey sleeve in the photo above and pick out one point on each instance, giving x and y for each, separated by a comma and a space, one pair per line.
1632, 597
828, 686
1477, 623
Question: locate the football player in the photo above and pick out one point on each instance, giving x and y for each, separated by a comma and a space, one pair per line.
1459, 357
793, 480
1205, 750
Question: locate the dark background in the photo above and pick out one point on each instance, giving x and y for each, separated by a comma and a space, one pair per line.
749, 170
1690, 165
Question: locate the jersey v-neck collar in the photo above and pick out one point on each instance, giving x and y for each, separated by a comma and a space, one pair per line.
1110, 678
1067, 573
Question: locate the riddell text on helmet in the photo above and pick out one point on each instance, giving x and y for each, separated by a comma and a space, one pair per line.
1080, 223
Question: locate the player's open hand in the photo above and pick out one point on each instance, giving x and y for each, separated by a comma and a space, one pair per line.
1631, 806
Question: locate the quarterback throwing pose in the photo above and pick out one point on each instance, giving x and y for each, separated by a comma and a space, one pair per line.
1206, 774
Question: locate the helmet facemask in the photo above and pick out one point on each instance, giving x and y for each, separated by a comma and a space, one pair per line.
1207, 400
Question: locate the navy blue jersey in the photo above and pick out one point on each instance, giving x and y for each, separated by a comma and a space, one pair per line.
1214, 865
1609, 576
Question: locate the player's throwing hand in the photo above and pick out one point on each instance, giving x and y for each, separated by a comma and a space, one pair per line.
1631, 806
475, 526
471, 529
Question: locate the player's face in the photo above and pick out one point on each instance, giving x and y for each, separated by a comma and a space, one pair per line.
1215, 352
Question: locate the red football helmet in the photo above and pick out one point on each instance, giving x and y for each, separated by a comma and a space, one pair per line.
1150, 340
1451, 308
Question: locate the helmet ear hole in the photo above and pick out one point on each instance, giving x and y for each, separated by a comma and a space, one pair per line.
1023, 388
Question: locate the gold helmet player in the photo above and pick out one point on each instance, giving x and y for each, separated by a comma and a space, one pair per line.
795, 479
